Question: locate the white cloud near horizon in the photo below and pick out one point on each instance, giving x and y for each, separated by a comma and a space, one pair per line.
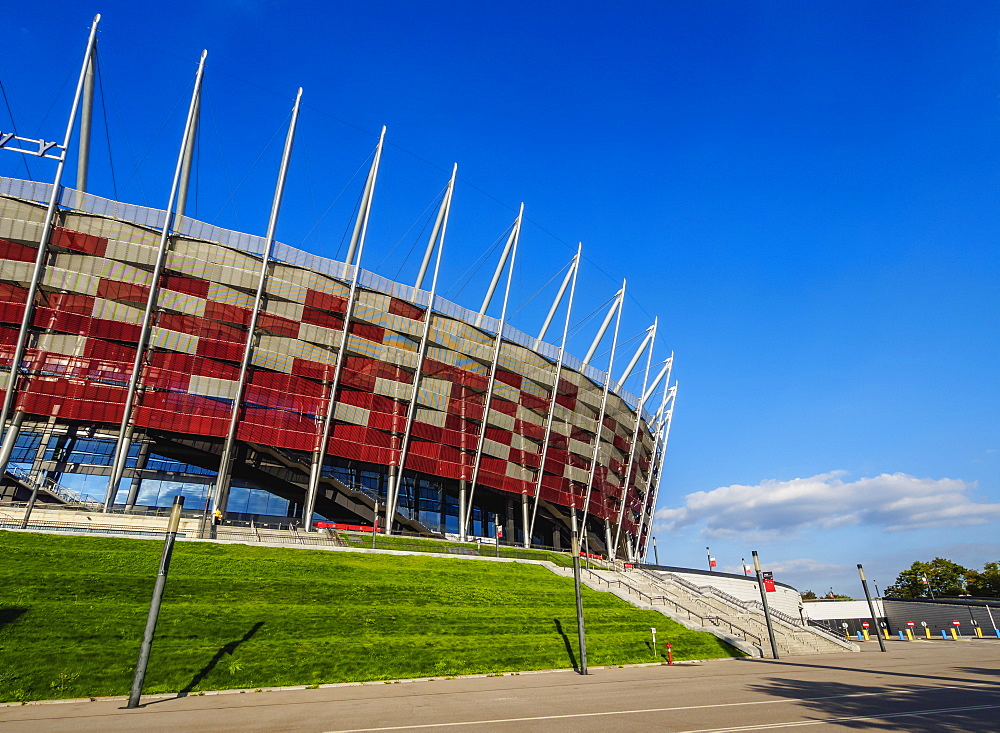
894, 502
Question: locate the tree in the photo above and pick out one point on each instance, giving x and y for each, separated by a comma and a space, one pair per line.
809, 596
944, 578
985, 584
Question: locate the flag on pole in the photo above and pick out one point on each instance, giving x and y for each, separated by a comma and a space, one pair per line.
711, 562
499, 531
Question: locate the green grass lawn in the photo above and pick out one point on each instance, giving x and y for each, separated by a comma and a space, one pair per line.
72, 610
417, 544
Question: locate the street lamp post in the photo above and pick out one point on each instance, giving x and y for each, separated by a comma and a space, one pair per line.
871, 608
173, 525
763, 600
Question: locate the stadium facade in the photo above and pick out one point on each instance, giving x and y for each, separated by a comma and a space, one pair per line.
157, 354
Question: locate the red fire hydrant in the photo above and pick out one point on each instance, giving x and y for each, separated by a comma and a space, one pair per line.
670, 654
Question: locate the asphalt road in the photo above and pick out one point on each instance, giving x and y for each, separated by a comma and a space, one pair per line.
921, 686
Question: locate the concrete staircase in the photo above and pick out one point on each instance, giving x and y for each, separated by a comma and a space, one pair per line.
739, 623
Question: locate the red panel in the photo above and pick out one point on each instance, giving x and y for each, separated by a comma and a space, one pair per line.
11, 312
194, 365
220, 349
115, 330
281, 400
70, 302
227, 313
466, 409
62, 321
503, 406
166, 419
368, 331
79, 242
99, 349
566, 401
621, 444
529, 429
568, 388
10, 293
278, 325
382, 421
312, 369
524, 458
407, 310
514, 380
185, 284
197, 326
17, 252
461, 392
355, 380
534, 402
117, 290
287, 382
317, 299
558, 441
498, 435
318, 317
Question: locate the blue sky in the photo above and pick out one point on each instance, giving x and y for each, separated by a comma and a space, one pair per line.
806, 194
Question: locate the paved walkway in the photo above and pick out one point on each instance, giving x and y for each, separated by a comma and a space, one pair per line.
921, 686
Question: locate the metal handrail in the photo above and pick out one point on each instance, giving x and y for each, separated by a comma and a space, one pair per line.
652, 600
780, 616
51, 487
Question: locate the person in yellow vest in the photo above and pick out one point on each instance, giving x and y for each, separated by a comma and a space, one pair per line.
217, 517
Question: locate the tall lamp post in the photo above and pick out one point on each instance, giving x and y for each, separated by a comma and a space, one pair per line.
763, 600
871, 608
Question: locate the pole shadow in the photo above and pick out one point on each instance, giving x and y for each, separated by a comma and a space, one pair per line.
223, 651
11, 615
569, 647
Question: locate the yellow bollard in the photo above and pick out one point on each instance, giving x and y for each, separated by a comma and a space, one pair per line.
979, 632
928, 632
909, 634
886, 633
954, 634
865, 632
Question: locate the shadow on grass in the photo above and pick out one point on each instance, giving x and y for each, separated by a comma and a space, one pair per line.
223, 651
569, 647
11, 615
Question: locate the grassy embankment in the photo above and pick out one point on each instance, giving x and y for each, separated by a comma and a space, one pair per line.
72, 610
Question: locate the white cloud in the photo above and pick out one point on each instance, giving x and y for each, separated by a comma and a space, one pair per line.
798, 565
774, 508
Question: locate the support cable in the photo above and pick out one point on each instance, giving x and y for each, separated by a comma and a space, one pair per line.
156, 137
13, 124
279, 128
107, 128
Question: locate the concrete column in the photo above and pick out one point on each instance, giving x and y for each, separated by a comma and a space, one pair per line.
525, 521
140, 464
462, 528
10, 440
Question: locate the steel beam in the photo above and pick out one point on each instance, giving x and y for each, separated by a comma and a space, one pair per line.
43, 243
319, 454
220, 487
512, 242
618, 306
573, 271
122, 444
437, 238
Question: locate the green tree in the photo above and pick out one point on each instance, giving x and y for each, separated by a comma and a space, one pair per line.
944, 578
809, 596
985, 584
